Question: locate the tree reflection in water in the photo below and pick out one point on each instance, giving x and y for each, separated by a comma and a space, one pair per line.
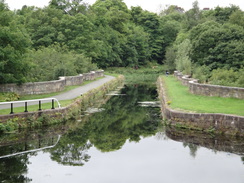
14, 169
108, 130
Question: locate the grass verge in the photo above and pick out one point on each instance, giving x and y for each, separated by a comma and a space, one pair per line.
181, 99
33, 108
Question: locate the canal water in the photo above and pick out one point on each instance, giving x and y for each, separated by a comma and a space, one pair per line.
122, 141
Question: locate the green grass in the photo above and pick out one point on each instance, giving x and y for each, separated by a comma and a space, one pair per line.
111, 74
182, 99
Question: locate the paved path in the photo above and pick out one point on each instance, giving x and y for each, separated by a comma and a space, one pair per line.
69, 94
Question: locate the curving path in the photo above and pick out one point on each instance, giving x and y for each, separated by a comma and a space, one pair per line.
69, 94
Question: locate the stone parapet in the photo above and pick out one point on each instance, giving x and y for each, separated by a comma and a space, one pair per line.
50, 86
209, 90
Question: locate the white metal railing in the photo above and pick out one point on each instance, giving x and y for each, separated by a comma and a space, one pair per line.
28, 101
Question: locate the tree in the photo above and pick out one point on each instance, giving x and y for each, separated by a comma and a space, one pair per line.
193, 16
170, 57
222, 15
171, 9
48, 63
217, 45
152, 25
237, 18
14, 44
183, 61
71, 7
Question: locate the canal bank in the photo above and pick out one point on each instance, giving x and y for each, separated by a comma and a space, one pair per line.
209, 122
88, 95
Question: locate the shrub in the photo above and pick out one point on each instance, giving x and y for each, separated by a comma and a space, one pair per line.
4, 97
202, 73
227, 77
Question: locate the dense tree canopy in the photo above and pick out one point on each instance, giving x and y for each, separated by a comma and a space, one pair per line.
14, 42
109, 34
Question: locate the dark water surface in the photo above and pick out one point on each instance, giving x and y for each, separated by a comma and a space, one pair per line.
122, 141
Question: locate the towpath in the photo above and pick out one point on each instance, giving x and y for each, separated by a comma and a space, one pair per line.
69, 94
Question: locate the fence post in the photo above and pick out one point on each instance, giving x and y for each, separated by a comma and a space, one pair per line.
53, 104
12, 108
26, 107
40, 105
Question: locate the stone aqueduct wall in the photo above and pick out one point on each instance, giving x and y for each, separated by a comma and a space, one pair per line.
209, 90
50, 86
227, 124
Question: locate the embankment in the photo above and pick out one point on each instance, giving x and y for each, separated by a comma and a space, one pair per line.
219, 123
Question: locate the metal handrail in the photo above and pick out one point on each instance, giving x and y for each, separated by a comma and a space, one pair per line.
26, 103
35, 100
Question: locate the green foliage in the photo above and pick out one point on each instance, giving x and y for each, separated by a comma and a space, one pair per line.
14, 43
170, 57
4, 97
202, 73
142, 75
109, 34
193, 16
227, 77
218, 46
9, 126
71, 7
51, 62
237, 18
153, 26
182, 61
223, 14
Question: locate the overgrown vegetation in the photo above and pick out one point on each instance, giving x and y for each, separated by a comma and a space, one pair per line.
5, 97
142, 75
210, 45
181, 99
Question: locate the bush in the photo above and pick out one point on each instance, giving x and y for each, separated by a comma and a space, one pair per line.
202, 73
49, 63
4, 97
227, 77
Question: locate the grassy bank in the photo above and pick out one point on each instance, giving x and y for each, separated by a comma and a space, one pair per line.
33, 108
181, 99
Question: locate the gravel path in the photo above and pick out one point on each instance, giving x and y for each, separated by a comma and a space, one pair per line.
69, 94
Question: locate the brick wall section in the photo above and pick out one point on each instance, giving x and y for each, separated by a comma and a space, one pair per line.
50, 86
209, 90
228, 124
